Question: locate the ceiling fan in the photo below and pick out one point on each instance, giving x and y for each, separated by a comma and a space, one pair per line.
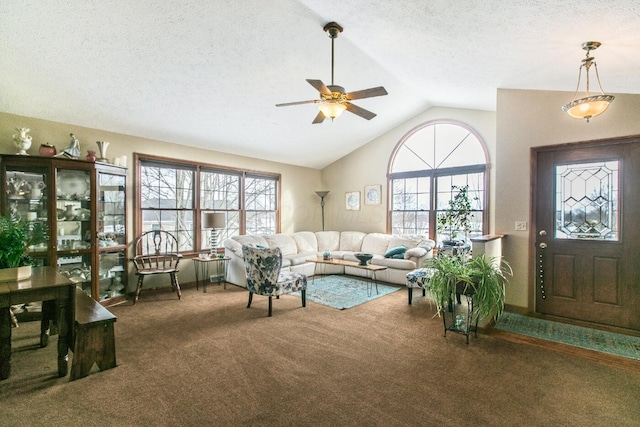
333, 99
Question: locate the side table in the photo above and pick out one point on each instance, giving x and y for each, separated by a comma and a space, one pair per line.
201, 266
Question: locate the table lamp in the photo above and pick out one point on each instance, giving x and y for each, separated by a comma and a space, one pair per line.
215, 221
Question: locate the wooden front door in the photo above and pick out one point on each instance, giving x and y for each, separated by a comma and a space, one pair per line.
587, 227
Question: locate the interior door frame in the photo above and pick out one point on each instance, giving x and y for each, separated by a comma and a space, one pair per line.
533, 232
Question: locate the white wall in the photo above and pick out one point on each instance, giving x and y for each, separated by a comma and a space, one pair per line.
542, 123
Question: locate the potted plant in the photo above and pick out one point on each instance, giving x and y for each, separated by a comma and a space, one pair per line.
15, 238
457, 217
482, 278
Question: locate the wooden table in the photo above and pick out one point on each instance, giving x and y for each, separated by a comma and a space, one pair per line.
201, 266
369, 267
58, 296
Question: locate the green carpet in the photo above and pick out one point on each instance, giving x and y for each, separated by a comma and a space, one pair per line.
343, 292
577, 336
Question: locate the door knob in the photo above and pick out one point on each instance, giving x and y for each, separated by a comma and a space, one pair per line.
543, 232
543, 245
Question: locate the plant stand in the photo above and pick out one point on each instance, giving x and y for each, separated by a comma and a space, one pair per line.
459, 321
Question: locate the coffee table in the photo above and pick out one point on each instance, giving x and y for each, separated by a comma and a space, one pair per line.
369, 267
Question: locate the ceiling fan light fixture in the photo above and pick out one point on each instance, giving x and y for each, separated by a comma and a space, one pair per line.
590, 105
333, 98
332, 109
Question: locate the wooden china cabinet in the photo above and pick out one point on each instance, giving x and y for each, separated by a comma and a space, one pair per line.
83, 206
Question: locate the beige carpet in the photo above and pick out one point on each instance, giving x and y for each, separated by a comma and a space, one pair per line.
208, 360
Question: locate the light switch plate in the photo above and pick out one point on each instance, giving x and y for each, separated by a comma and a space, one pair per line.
521, 225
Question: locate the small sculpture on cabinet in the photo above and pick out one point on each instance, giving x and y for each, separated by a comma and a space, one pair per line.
73, 150
22, 141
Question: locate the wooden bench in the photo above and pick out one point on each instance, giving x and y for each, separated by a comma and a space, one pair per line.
94, 337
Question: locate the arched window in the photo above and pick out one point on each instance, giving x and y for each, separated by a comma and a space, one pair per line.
428, 166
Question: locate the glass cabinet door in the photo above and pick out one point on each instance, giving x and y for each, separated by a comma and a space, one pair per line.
77, 267
112, 275
112, 239
27, 200
73, 226
111, 210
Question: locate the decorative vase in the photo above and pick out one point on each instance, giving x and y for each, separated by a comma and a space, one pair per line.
69, 214
47, 150
102, 146
91, 155
36, 189
22, 141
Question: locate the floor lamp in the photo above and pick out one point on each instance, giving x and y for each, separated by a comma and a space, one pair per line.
322, 195
215, 221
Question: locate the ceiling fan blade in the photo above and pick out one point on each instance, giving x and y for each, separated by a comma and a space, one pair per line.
319, 118
358, 111
320, 87
286, 104
367, 93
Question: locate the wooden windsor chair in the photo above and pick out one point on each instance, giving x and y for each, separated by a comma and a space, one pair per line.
157, 253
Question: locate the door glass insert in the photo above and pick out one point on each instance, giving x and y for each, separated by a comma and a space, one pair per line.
587, 201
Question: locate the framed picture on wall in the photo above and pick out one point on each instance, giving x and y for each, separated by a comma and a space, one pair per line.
372, 194
352, 201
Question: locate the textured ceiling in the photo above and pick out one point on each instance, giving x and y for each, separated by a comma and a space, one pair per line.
209, 74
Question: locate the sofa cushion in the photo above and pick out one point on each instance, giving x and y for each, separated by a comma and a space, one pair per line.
406, 241
375, 243
398, 250
415, 252
351, 241
328, 240
234, 246
285, 242
428, 244
297, 259
398, 264
306, 241
250, 240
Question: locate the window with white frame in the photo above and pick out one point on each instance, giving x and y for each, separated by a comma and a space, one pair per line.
426, 170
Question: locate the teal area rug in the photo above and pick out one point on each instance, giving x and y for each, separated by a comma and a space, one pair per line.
577, 336
343, 292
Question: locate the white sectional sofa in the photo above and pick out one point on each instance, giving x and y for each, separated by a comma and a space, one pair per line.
298, 248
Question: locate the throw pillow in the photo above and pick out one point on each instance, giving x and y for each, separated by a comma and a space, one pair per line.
415, 252
395, 251
398, 256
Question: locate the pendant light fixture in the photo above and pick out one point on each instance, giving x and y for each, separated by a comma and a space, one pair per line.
590, 105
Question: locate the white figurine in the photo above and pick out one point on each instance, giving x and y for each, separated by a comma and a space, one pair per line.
73, 150
22, 140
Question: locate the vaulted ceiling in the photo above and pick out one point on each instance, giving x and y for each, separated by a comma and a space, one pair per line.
209, 74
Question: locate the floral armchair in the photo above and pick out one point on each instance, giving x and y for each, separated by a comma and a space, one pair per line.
264, 276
